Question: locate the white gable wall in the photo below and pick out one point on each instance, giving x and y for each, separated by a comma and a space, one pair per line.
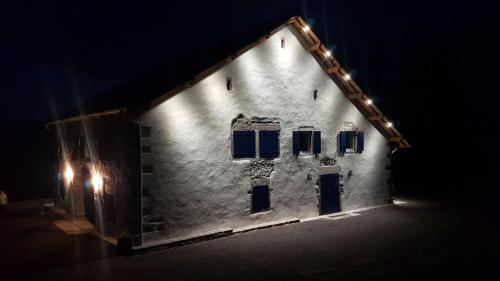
196, 184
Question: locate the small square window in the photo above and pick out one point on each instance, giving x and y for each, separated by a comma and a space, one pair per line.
351, 141
305, 142
260, 199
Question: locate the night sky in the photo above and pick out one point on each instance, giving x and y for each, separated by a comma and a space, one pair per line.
420, 61
56, 54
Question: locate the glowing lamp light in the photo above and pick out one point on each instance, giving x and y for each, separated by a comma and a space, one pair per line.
306, 28
328, 53
369, 101
389, 124
347, 76
68, 173
96, 182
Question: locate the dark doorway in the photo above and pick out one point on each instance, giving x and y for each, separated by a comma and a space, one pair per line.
329, 194
88, 195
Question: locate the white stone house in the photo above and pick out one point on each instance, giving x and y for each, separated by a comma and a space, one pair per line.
277, 131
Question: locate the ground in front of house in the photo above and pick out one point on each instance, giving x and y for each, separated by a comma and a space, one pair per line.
419, 240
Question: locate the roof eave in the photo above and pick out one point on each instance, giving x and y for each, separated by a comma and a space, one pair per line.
86, 117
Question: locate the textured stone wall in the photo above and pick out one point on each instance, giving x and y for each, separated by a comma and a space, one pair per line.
198, 186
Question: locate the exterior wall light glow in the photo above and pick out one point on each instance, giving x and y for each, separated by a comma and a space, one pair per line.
347, 76
389, 124
97, 182
68, 173
306, 28
328, 53
369, 101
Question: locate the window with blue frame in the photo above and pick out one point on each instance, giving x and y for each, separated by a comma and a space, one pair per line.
244, 144
306, 142
269, 144
351, 142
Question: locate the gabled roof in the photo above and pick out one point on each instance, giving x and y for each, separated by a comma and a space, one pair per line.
156, 86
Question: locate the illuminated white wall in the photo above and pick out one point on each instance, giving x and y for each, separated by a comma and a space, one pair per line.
197, 186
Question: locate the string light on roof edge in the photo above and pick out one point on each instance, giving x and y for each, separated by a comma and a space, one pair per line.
347, 76
389, 124
306, 28
328, 53
369, 101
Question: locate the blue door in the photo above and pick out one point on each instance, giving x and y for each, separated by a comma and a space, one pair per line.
329, 194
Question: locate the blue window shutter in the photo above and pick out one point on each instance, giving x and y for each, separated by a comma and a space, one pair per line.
361, 142
317, 142
244, 144
295, 138
269, 143
342, 141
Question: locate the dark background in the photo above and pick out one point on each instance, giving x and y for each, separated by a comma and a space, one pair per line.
429, 65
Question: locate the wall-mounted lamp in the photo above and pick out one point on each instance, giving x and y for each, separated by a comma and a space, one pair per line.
347, 76
328, 53
97, 182
389, 124
306, 28
369, 101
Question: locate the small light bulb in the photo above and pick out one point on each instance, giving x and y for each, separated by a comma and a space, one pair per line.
389, 124
306, 28
328, 53
369, 101
347, 76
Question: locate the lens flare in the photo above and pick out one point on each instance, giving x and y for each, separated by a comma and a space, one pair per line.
68, 173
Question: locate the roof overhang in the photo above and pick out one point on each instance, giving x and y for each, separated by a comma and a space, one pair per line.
86, 117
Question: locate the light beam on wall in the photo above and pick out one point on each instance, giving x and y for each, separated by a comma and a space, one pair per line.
68, 174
